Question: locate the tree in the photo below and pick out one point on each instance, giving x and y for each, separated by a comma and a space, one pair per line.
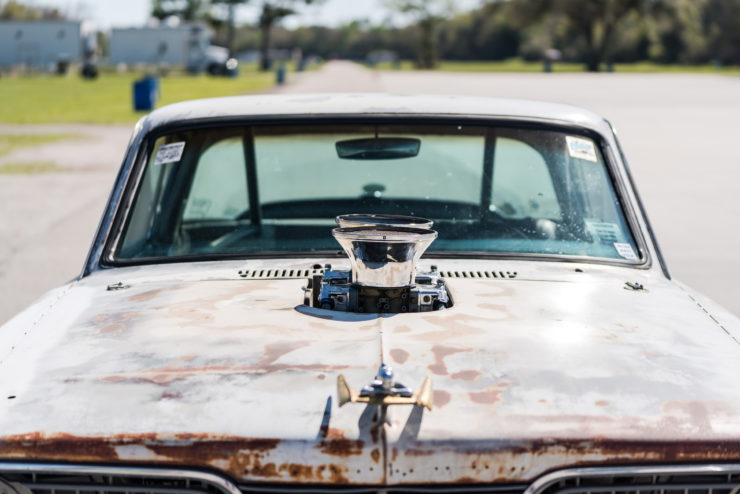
187, 10
593, 23
722, 27
231, 6
16, 11
272, 12
428, 15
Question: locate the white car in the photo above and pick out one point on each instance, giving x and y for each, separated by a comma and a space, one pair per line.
371, 294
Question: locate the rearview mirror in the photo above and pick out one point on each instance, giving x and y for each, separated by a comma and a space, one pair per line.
379, 148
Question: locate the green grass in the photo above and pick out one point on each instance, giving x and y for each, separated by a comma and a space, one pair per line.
108, 99
11, 142
518, 65
647, 67
29, 168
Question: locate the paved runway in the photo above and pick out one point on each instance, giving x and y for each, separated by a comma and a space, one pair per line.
679, 132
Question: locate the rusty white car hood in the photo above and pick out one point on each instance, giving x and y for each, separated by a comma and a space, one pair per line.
191, 365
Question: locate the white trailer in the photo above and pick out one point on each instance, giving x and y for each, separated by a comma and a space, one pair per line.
184, 44
40, 44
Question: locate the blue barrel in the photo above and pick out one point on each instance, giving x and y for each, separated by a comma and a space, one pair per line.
146, 92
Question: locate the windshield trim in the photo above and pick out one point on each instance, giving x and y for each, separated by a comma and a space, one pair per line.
135, 178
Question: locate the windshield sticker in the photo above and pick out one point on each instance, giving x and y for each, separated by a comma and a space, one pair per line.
625, 250
582, 149
603, 232
169, 153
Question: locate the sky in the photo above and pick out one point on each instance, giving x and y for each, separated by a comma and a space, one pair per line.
128, 13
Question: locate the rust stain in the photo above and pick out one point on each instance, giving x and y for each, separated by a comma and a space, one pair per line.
465, 480
519, 456
602, 403
244, 456
491, 395
440, 352
375, 455
336, 476
114, 323
170, 395
57, 447
333, 433
440, 398
267, 470
399, 355
298, 471
468, 375
250, 457
341, 447
150, 294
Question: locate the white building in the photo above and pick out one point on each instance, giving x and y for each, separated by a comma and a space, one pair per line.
183, 44
40, 43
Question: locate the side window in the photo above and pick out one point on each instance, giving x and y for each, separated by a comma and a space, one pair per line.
219, 189
522, 184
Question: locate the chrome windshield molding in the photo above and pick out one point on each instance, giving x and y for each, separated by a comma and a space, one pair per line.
640, 205
217, 481
92, 261
549, 479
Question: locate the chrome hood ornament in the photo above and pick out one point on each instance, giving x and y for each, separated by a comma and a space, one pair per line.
382, 391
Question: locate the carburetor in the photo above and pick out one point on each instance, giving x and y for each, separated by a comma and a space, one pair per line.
383, 251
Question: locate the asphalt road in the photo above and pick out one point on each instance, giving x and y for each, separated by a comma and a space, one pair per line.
679, 132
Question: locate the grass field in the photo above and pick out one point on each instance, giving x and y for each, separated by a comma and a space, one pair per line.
518, 65
29, 168
11, 142
108, 99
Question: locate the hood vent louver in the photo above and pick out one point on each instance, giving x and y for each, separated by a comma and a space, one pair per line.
501, 275
280, 274
300, 274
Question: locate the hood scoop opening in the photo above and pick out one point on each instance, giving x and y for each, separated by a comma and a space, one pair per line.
383, 251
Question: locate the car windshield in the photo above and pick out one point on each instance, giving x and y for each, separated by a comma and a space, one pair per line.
276, 189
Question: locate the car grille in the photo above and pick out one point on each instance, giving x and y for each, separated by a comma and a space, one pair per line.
70, 479
63, 479
704, 479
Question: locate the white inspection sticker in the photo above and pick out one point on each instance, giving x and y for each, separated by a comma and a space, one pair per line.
169, 153
625, 250
581, 148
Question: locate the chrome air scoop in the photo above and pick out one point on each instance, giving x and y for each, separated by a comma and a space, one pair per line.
384, 257
383, 277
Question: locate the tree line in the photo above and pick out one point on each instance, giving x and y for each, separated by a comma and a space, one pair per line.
593, 32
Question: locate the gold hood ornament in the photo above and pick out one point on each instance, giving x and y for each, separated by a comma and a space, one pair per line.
382, 391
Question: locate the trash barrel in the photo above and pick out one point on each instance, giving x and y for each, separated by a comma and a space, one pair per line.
280, 74
146, 92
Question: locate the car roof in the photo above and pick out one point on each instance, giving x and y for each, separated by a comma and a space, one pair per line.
373, 104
